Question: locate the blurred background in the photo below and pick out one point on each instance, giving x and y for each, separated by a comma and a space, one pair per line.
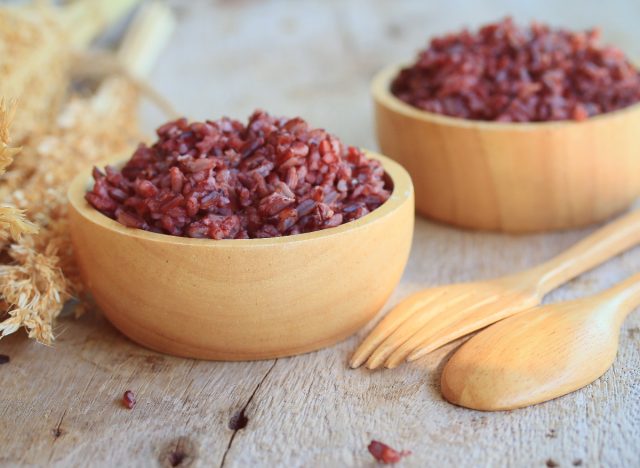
315, 58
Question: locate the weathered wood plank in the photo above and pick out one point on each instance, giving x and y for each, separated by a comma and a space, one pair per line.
62, 405
312, 411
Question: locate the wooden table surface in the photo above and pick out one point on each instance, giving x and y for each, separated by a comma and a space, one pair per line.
61, 406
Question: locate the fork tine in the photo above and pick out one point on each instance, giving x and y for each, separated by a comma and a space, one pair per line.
389, 324
428, 331
464, 326
421, 317
428, 346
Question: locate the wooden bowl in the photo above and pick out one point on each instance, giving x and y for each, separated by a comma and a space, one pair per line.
514, 177
243, 299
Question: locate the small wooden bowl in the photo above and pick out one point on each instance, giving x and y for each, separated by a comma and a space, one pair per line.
514, 177
244, 299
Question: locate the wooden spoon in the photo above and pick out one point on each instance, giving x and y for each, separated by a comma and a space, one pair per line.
540, 354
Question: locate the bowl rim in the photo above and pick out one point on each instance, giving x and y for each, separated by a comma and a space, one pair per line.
401, 193
381, 90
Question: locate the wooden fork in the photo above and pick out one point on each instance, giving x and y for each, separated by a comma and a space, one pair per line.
436, 316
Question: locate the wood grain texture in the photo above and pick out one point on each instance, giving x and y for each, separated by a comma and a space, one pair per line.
311, 410
70, 413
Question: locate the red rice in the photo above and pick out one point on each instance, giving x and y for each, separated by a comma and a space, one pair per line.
511, 74
225, 180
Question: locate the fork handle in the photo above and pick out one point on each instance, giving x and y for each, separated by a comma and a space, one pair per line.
605, 243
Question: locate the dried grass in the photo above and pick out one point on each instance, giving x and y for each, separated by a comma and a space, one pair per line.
61, 135
34, 64
41, 274
12, 220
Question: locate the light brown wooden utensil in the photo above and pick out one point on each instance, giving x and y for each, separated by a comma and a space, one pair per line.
436, 316
543, 353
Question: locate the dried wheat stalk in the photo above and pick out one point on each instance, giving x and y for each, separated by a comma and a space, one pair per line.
12, 221
14, 225
37, 43
31, 41
40, 274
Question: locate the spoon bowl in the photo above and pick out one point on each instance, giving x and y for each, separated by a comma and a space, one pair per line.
540, 354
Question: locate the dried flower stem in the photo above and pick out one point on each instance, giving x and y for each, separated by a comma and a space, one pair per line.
39, 273
42, 274
12, 220
41, 37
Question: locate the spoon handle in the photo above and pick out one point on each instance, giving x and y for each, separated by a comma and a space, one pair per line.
605, 243
623, 297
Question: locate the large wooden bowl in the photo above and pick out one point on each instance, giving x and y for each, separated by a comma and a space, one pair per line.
244, 299
514, 177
